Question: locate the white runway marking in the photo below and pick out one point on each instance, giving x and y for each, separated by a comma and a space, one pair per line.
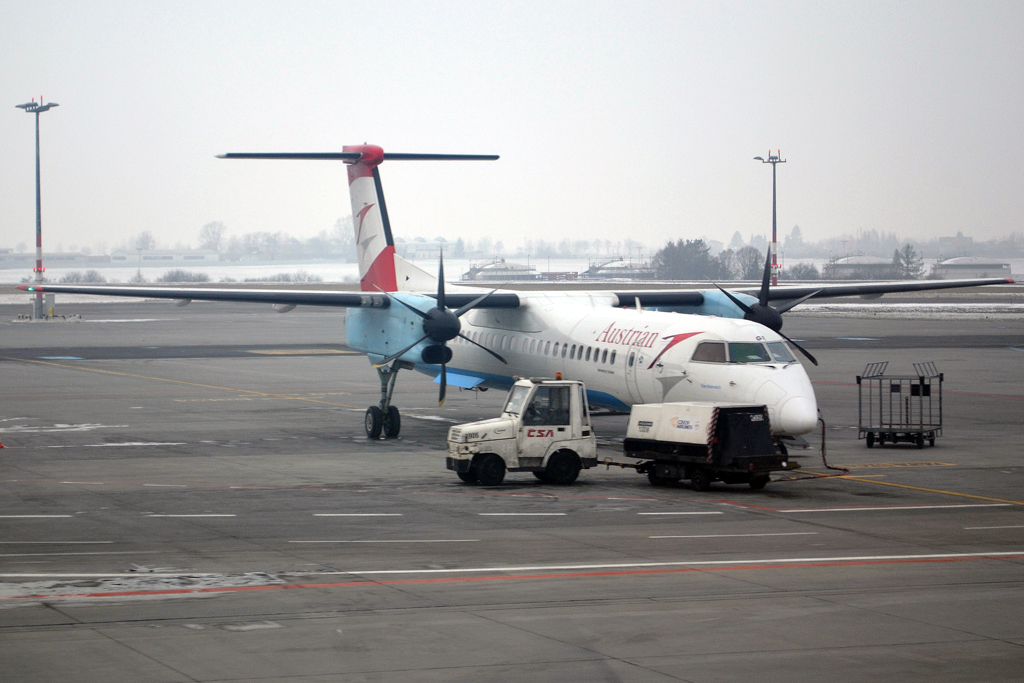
680, 513
204, 515
1013, 526
798, 533
901, 507
357, 514
521, 514
117, 445
429, 540
55, 542
32, 516
112, 552
83, 482
169, 486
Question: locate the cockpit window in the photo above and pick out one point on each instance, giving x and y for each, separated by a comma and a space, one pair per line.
710, 352
514, 405
748, 352
780, 352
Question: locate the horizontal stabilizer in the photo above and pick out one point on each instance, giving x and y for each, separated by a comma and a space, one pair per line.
457, 379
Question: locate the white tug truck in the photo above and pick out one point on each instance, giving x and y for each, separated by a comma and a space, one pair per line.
544, 428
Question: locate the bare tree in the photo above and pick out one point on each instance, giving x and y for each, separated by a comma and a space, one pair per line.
144, 241
750, 263
211, 236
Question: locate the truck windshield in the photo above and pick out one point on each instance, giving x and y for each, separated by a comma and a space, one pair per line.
516, 398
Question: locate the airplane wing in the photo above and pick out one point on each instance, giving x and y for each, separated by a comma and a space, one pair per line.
785, 293
291, 297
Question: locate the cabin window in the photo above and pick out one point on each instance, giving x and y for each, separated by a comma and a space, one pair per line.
781, 352
555, 350
572, 353
709, 352
632, 357
748, 352
533, 346
565, 347
550, 406
604, 356
547, 349
588, 353
613, 357
597, 355
504, 342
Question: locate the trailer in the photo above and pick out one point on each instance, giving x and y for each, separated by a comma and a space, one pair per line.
703, 442
899, 408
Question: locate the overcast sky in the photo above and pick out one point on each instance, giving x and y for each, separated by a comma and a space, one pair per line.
612, 119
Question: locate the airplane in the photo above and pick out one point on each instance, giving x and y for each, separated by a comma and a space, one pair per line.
627, 346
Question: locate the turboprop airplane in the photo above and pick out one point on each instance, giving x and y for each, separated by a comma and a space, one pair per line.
628, 346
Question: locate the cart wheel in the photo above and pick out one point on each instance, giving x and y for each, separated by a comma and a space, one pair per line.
700, 480
881, 440
931, 441
543, 476
871, 439
757, 483
467, 477
920, 440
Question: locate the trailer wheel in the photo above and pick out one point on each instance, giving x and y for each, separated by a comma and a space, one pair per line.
759, 482
871, 439
700, 480
489, 470
467, 477
563, 468
920, 441
931, 441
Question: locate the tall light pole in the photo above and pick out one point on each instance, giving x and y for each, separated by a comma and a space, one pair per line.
773, 159
38, 108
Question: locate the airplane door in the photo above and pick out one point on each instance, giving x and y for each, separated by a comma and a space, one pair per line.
634, 357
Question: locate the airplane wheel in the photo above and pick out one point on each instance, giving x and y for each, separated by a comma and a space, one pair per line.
490, 470
563, 468
467, 477
374, 422
392, 423
700, 481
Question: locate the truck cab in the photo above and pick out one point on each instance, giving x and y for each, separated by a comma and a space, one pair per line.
544, 428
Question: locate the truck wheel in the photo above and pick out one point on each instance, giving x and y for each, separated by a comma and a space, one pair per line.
490, 470
759, 482
563, 468
543, 476
374, 422
871, 439
700, 480
392, 423
467, 477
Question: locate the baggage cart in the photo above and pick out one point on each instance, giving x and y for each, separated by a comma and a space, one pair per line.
899, 408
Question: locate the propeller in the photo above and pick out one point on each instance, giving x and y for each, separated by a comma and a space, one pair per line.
764, 314
441, 325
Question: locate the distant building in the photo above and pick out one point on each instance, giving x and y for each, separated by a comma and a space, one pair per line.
970, 267
162, 256
420, 248
858, 268
500, 271
621, 270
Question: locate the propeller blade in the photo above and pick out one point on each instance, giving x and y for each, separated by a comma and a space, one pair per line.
799, 348
766, 279
440, 282
742, 306
444, 383
409, 306
396, 355
474, 302
484, 348
793, 304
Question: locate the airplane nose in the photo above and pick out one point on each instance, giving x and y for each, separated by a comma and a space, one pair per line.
799, 415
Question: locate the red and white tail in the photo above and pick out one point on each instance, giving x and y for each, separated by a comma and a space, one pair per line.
379, 265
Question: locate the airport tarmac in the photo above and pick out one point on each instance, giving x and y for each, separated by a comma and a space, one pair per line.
186, 494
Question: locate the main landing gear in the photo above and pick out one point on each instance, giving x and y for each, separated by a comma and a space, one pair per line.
384, 418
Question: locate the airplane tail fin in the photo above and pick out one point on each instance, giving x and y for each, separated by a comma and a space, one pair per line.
379, 265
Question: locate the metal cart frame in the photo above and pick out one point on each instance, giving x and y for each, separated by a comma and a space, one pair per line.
899, 408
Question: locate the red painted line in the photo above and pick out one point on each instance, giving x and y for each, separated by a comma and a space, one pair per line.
509, 577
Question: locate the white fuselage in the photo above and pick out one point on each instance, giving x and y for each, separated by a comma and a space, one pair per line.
628, 356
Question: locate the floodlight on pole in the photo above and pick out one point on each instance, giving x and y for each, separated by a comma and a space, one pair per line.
773, 159
38, 108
